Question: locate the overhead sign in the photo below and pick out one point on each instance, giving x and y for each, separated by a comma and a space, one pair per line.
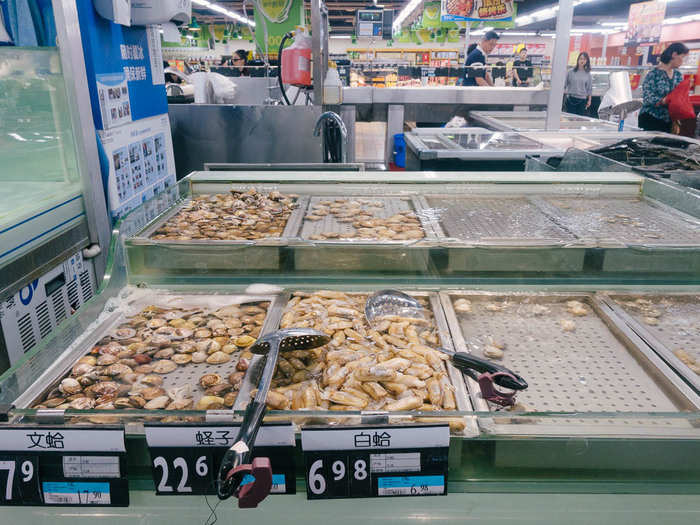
477, 10
273, 19
645, 23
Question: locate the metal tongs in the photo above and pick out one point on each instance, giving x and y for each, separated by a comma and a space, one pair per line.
236, 462
486, 373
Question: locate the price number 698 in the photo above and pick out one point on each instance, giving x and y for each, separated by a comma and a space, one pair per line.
318, 483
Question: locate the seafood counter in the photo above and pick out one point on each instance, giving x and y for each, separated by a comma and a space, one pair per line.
164, 351
420, 226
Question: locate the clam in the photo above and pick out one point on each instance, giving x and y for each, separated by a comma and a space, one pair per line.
180, 404
152, 392
181, 333
244, 341
108, 405
172, 315
122, 403
124, 332
130, 378
199, 357
138, 348
126, 353
236, 378
131, 363
164, 367
88, 360
230, 399
182, 359
53, 402
229, 348
104, 387
210, 403
137, 401
158, 403
156, 323
218, 390
160, 340
186, 347
82, 369
209, 380
107, 398
82, 403
208, 345
152, 380
167, 331
142, 359
70, 386
202, 333
164, 353
144, 369
107, 359
117, 369
218, 358
242, 365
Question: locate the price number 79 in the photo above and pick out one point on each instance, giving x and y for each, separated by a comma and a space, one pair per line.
26, 474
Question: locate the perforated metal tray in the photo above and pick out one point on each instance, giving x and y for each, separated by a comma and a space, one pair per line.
183, 375
678, 326
622, 221
391, 206
488, 220
456, 378
600, 367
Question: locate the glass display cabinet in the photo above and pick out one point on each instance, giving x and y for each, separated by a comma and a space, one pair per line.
595, 306
535, 121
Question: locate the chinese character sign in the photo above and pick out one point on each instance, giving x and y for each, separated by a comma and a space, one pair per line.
466, 10
645, 23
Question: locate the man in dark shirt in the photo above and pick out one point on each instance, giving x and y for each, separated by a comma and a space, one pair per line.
522, 69
476, 61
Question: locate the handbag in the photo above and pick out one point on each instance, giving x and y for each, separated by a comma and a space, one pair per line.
678, 100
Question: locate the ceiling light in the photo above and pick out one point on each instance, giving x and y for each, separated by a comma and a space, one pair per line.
224, 11
405, 12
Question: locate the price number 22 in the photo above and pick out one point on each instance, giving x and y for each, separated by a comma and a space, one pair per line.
184, 486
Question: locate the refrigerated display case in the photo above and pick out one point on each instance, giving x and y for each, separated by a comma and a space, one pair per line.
535, 121
606, 409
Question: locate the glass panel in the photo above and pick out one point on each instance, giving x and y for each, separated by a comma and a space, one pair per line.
37, 148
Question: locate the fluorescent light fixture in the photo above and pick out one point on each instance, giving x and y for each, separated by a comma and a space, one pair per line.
224, 11
405, 12
341, 36
614, 24
545, 13
682, 19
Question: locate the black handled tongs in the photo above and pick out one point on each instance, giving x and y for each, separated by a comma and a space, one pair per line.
487, 374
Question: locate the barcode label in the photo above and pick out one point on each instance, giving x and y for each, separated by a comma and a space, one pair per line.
60, 493
91, 466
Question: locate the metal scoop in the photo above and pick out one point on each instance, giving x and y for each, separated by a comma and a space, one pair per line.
236, 463
394, 303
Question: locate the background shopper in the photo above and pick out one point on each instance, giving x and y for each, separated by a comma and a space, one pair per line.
476, 61
579, 86
658, 83
522, 69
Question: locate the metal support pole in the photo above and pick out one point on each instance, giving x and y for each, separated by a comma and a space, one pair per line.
349, 113
394, 125
559, 61
73, 66
605, 49
319, 47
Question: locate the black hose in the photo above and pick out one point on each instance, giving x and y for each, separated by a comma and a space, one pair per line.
286, 37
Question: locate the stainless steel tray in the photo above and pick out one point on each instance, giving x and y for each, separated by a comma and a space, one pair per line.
461, 394
623, 221
508, 233
391, 206
678, 326
600, 367
134, 302
290, 229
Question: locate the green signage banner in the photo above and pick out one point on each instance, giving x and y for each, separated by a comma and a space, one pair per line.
274, 18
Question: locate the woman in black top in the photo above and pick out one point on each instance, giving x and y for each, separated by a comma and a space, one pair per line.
522, 70
240, 61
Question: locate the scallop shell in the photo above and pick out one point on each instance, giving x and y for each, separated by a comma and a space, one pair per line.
164, 367
218, 358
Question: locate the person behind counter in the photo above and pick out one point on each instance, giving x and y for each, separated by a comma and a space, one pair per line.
522, 69
658, 83
579, 86
476, 61
240, 61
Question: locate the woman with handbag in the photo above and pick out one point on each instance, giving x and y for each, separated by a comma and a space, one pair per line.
658, 83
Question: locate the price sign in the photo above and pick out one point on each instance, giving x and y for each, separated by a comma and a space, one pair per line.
373, 461
48, 466
185, 458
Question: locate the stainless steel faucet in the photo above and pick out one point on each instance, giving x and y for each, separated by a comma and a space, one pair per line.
330, 115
